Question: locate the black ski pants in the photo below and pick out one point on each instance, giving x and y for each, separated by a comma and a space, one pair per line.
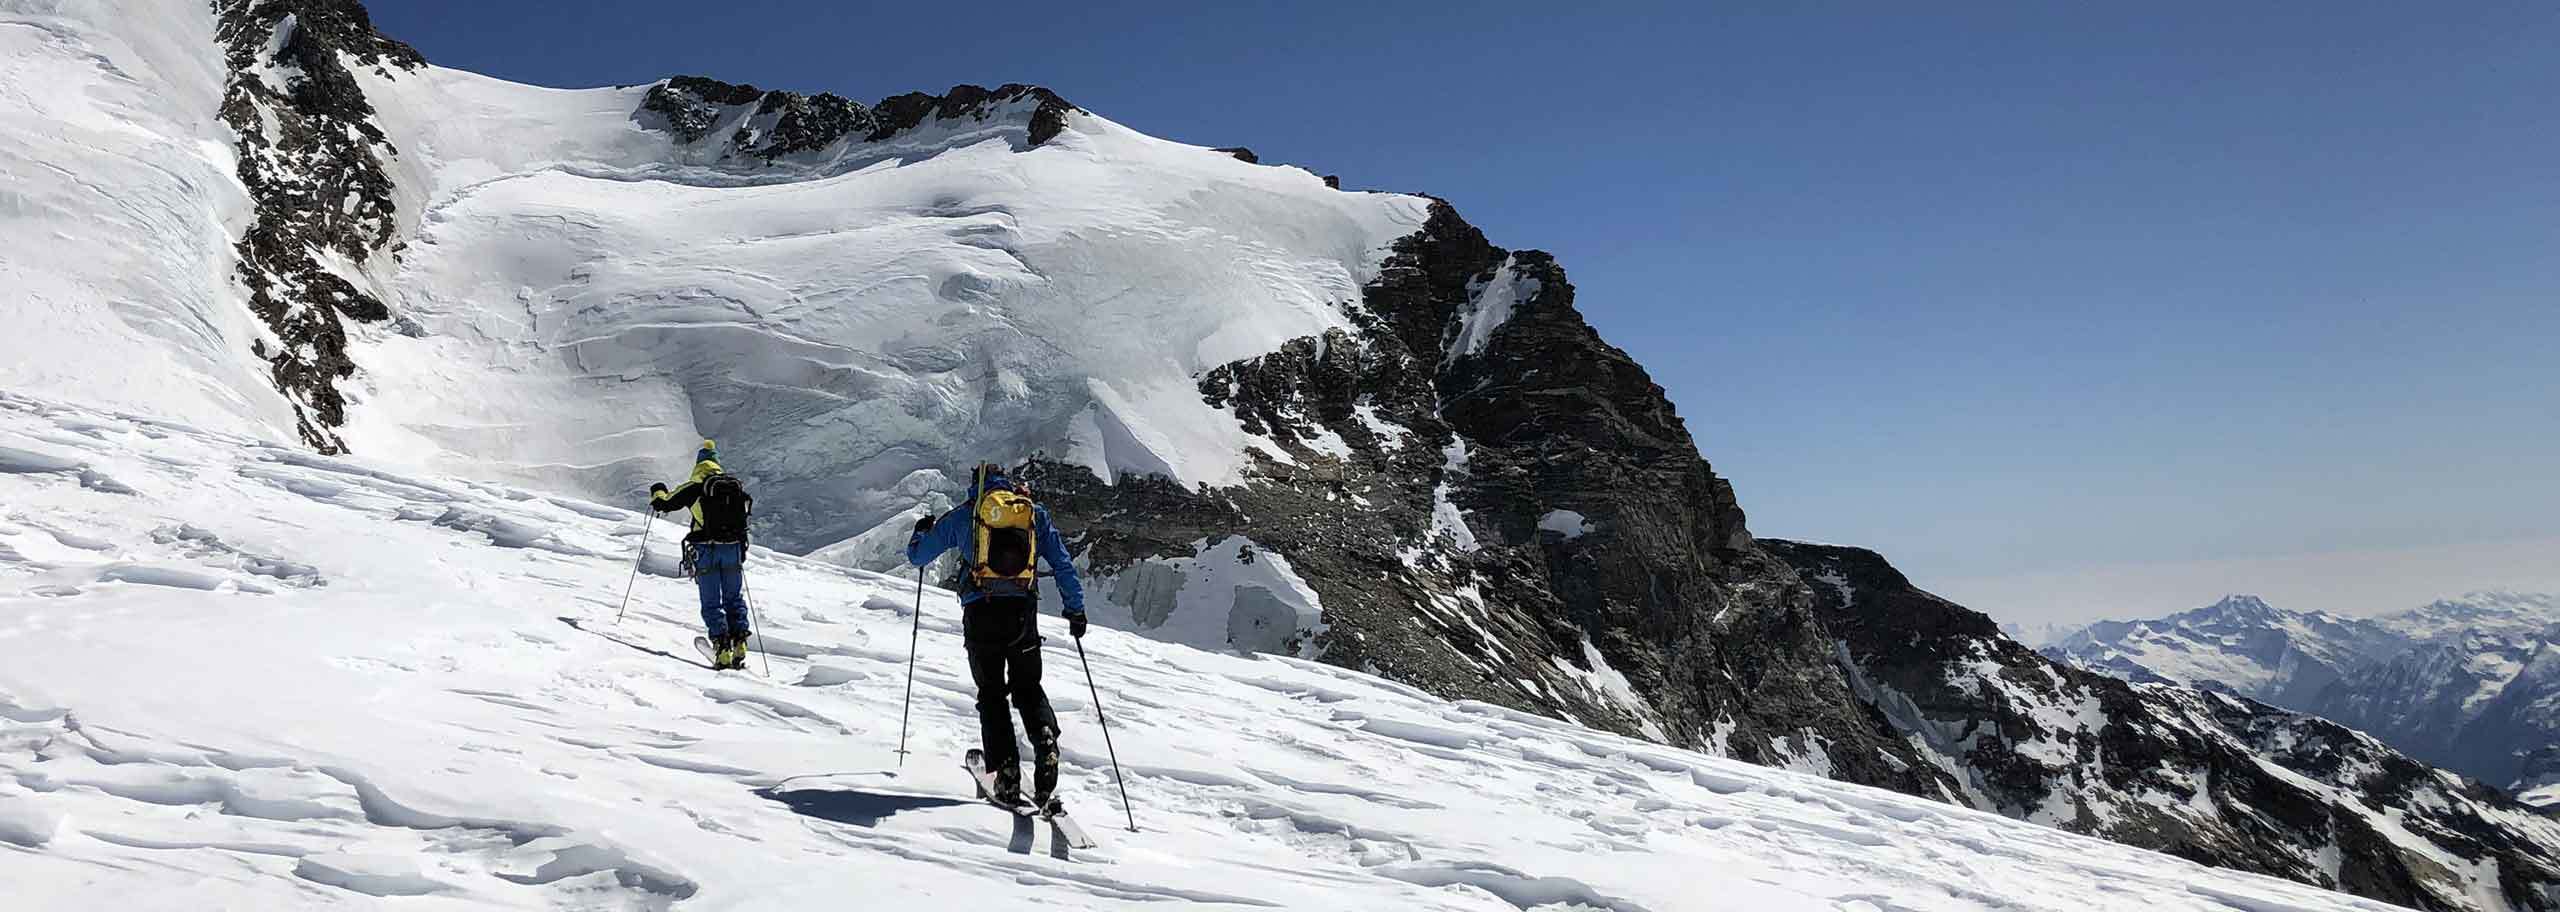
1003, 639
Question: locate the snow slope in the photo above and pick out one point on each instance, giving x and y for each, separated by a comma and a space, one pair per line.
851, 323
117, 213
241, 675
577, 293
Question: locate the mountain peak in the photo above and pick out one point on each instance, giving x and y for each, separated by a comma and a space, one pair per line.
2237, 608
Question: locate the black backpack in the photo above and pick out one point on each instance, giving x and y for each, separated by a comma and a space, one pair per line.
725, 508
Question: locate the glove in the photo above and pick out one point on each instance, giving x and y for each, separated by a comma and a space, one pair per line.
924, 524
1075, 624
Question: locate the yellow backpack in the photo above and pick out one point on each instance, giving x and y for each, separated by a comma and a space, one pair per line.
1005, 543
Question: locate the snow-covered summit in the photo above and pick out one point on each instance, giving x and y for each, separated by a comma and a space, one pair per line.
850, 333
2240, 644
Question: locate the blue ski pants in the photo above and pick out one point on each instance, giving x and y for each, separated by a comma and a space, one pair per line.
719, 570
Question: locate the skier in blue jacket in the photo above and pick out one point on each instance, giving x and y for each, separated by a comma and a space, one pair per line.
999, 531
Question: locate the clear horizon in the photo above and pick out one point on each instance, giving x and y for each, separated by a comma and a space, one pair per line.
2069, 313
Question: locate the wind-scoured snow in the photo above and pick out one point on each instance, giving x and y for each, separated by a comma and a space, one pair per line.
594, 296
455, 718
118, 209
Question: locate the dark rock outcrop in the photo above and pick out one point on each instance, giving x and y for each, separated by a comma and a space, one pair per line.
312, 160
901, 113
692, 105
1431, 543
768, 125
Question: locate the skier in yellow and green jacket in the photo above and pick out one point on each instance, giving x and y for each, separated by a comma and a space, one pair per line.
718, 548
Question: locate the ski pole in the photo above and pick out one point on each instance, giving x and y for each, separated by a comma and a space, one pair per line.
913, 631
747, 595
645, 524
1106, 736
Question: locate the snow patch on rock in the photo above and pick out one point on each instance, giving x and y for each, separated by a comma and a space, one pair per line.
1231, 595
1489, 305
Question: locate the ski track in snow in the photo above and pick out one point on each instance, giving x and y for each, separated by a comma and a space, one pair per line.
445, 713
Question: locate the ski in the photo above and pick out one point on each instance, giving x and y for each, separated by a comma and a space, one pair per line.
703, 645
1067, 827
975, 761
635, 647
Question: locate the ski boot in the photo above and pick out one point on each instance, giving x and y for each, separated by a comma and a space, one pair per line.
1044, 770
1008, 791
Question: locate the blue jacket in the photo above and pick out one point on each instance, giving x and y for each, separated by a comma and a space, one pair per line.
954, 530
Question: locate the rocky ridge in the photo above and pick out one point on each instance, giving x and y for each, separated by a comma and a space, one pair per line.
771, 124
2470, 684
2209, 776
312, 159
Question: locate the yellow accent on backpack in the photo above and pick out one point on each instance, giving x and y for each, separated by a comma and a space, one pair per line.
1004, 522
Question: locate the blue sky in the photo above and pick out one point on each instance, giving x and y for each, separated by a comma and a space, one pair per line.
2053, 305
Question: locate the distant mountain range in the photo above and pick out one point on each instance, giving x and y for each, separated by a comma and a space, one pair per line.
2471, 684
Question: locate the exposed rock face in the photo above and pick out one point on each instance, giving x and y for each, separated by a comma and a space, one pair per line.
312, 159
2478, 702
901, 113
768, 125
1432, 454
692, 105
2209, 776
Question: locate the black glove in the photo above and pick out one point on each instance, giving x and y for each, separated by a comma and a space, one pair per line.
1075, 624
924, 524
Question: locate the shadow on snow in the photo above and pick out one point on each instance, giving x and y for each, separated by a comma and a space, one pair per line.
862, 809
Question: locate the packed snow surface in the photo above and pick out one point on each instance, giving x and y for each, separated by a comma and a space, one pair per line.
244, 676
